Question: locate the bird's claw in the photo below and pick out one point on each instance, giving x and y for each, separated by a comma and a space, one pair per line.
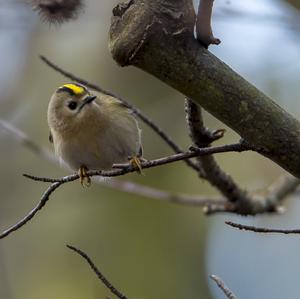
136, 163
85, 180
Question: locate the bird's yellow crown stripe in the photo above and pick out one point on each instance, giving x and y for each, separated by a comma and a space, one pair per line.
75, 88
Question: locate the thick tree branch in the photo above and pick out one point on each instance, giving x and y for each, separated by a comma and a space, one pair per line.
157, 37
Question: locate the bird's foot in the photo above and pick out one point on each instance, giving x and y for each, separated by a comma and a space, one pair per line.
85, 180
136, 163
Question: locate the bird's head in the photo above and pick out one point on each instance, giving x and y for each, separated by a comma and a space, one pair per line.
70, 106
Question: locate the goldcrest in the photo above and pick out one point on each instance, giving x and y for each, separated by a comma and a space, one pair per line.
92, 131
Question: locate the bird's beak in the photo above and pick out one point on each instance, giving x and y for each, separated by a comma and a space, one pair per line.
87, 100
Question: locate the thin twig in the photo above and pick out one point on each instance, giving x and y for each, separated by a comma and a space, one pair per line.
148, 121
229, 294
101, 277
128, 168
262, 229
126, 186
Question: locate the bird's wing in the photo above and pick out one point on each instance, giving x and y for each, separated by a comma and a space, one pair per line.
115, 102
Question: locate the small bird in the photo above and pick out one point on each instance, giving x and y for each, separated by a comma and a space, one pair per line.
92, 131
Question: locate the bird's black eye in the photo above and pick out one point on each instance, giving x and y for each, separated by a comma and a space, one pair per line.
72, 105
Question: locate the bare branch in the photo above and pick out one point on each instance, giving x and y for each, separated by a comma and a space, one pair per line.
202, 137
229, 294
147, 120
262, 229
203, 23
101, 277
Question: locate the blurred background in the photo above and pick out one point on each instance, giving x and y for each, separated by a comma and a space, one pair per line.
148, 249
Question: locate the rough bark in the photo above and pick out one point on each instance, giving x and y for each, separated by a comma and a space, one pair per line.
157, 37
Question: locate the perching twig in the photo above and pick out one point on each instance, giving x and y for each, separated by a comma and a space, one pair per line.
128, 168
116, 172
203, 23
262, 229
137, 111
126, 186
101, 277
229, 294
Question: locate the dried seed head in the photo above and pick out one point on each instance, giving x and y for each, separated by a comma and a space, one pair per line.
57, 11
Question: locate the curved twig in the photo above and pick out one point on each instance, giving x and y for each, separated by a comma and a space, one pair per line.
101, 277
45, 197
